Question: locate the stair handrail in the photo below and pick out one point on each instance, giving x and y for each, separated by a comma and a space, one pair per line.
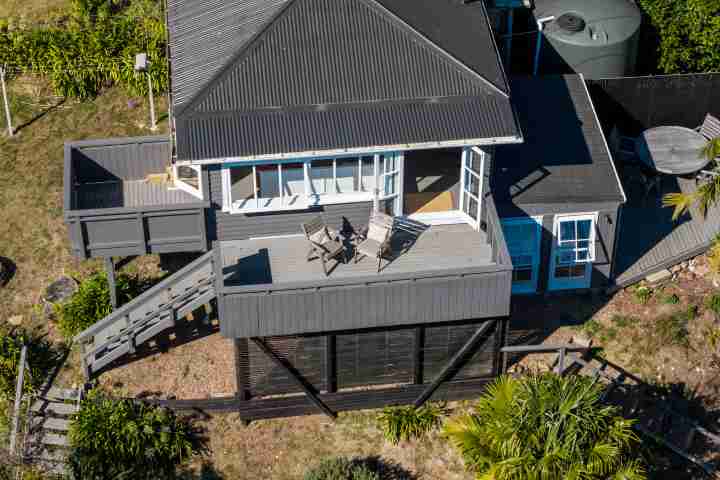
120, 313
562, 349
18, 399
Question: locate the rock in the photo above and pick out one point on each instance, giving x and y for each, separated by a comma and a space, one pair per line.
701, 270
676, 268
15, 320
60, 290
658, 276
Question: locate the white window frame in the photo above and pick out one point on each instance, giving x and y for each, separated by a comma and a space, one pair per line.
567, 244
307, 199
383, 173
532, 285
185, 187
576, 282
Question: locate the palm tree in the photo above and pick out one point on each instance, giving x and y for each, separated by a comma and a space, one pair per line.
546, 427
706, 194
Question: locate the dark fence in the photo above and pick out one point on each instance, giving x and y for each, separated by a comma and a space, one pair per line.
637, 103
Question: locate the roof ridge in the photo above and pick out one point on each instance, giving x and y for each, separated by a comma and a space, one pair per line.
437, 47
246, 49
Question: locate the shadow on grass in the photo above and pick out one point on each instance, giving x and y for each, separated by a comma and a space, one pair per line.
207, 472
387, 469
7, 270
39, 115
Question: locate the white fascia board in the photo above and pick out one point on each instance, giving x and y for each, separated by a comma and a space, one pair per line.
358, 151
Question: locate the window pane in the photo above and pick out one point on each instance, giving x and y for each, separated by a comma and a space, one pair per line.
472, 184
389, 206
390, 184
189, 176
390, 163
473, 162
368, 174
583, 255
347, 175
268, 185
522, 274
567, 230
584, 227
241, 187
471, 208
293, 181
321, 177
565, 256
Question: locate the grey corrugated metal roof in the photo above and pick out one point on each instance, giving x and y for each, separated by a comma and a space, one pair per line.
240, 135
206, 34
564, 158
334, 74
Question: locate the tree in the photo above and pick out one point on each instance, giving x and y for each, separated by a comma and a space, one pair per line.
546, 427
689, 34
706, 194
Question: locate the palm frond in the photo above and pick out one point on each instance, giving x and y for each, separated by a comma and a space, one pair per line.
680, 201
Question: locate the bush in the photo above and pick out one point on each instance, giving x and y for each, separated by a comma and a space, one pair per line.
94, 46
341, 468
41, 357
689, 34
643, 294
405, 423
671, 299
673, 329
713, 256
546, 426
713, 303
623, 321
125, 439
92, 302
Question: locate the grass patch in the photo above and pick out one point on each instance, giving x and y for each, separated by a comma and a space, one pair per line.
624, 321
713, 303
673, 328
671, 299
592, 328
341, 468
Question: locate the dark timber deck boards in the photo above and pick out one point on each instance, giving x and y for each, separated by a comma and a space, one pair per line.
283, 260
650, 240
128, 194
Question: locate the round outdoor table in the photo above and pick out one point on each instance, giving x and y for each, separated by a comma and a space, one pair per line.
672, 150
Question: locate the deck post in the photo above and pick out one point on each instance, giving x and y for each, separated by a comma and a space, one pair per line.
455, 362
418, 359
331, 363
110, 269
295, 375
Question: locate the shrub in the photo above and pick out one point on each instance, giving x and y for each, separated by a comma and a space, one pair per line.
546, 426
643, 294
713, 303
713, 256
93, 47
671, 299
41, 357
92, 302
341, 468
125, 439
405, 423
592, 328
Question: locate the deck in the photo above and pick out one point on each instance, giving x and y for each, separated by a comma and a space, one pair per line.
283, 260
127, 194
650, 240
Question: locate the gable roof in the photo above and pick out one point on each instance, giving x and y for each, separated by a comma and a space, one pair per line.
322, 75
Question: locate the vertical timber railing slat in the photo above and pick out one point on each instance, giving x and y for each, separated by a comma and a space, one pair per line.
418, 349
242, 369
455, 362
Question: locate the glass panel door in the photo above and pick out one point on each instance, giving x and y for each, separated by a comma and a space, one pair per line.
391, 183
189, 179
522, 236
471, 185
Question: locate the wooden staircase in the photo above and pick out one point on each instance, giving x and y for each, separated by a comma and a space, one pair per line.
146, 316
657, 415
46, 445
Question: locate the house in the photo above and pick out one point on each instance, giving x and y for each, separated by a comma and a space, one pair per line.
286, 110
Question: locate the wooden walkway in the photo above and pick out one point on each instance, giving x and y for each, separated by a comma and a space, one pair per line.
127, 194
651, 241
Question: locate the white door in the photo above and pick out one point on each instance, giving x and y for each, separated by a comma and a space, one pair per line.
573, 251
189, 179
471, 183
390, 182
522, 236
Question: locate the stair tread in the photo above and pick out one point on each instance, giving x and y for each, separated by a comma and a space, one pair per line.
57, 408
54, 455
54, 439
61, 393
51, 423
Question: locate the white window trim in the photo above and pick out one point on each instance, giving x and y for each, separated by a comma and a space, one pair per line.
474, 222
593, 217
573, 283
309, 199
180, 185
537, 220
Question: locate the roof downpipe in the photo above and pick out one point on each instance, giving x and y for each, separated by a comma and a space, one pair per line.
540, 24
